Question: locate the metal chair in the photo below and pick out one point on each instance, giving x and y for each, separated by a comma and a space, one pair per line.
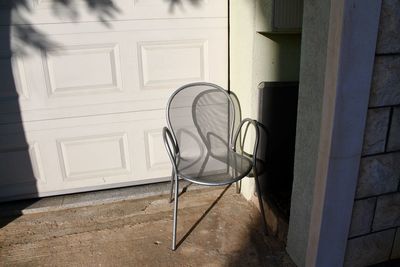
201, 143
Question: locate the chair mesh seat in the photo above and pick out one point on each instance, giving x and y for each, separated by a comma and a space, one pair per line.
214, 170
202, 118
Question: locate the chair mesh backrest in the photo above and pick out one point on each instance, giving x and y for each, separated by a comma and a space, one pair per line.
200, 116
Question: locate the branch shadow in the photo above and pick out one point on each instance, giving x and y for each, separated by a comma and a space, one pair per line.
19, 40
174, 4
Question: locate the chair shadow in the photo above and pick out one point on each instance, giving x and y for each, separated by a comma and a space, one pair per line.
202, 216
184, 189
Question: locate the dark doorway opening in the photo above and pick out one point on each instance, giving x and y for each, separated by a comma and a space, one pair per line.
278, 115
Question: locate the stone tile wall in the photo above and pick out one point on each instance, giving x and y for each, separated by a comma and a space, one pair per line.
375, 229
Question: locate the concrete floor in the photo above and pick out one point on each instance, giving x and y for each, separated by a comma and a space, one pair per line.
222, 229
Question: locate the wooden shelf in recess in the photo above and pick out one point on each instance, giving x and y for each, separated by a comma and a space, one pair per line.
279, 33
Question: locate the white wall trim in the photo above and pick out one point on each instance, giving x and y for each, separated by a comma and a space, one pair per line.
353, 28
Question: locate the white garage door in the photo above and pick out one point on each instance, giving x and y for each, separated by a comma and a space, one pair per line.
86, 110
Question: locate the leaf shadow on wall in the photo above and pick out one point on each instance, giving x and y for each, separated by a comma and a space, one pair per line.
20, 40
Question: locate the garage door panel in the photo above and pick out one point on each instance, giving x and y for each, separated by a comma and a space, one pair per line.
82, 103
157, 163
138, 70
168, 63
145, 9
21, 164
93, 156
19, 88
56, 6
13, 76
82, 69
153, 142
85, 152
111, 153
159, 60
50, 11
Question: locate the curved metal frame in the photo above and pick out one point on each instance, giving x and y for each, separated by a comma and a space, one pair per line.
172, 147
254, 157
198, 84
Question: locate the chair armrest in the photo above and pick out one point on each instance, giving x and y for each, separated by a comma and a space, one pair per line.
255, 124
170, 145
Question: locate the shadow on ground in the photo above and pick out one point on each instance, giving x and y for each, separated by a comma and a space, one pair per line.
224, 230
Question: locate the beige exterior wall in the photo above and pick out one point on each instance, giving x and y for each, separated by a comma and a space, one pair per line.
257, 57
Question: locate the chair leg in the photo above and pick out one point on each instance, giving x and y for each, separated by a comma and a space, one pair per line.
172, 185
260, 201
175, 213
238, 186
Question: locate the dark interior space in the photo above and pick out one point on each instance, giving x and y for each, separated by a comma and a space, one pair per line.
277, 114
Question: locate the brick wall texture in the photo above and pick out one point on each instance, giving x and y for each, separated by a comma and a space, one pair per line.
375, 229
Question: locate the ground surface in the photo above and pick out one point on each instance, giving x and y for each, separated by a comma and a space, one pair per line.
223, 231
